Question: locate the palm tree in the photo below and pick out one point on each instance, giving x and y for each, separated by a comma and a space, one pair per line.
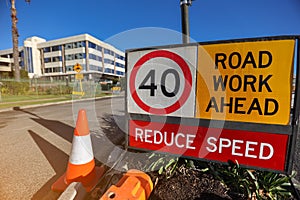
15, 36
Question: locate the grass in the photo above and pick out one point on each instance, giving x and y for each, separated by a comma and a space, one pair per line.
14, 98
9, 101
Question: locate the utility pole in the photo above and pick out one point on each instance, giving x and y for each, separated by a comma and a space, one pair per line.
15, 39
185, 25
15, 36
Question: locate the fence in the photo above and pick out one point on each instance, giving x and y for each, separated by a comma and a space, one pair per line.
43, 87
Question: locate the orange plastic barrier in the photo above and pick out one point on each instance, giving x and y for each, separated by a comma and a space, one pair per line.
81, 165
134, 185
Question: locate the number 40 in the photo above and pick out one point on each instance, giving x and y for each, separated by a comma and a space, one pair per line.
152, 86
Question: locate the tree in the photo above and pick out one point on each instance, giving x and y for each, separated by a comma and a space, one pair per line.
15, 37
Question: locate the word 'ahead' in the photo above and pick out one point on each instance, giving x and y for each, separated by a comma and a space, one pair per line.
248, 82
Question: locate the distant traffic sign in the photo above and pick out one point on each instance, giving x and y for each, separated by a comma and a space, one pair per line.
77, 68
78, 76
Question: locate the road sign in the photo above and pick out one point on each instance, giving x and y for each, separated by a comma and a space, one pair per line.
116, 89
248, 82
77, 68
250, 148
81, 93
162, 81
227, 101
78, 76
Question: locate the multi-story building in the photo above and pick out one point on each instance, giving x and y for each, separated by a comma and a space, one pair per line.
55, 59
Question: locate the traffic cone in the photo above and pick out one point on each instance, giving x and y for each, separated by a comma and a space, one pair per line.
81, 166
134, 185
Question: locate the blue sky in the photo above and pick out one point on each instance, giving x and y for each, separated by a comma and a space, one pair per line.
209, 19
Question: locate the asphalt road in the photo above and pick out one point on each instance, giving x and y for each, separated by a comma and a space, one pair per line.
35, 144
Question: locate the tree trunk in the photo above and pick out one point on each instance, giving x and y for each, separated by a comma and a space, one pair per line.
15, 41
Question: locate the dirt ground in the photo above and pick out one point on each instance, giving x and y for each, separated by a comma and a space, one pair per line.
190, 184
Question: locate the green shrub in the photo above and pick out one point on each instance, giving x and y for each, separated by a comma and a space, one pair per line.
14, 88
58, 90
273, 185
254, 184
167, 165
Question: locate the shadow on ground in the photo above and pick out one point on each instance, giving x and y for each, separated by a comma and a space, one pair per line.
58, 161
56, 158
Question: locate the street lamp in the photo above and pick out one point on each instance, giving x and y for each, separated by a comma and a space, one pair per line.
185, 26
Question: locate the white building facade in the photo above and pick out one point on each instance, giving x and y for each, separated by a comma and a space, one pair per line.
55, 59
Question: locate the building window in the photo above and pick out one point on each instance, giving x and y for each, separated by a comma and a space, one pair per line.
4, 64
99, 48
57, 59
93, 67
46, 49
69, 46
110, 52
92, 45
57, 69
29, 59
79, 44
79, 56
22, 64
4, 56
96, 68
120, 65
119, 73
47, 60
69, 68
70, 57
120, 57
108, 61
56, 48
94, 57
111, 71
48, 70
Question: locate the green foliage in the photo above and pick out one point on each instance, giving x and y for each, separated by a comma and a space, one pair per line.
106, 87
24, 74
14, 88
59, 90
274, 186
236, 177
123, 83
245, 183
168, 165
165, 164
10, 75
6, 75
115, 80
253, 183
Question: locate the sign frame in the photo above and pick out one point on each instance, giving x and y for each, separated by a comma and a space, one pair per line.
291, 129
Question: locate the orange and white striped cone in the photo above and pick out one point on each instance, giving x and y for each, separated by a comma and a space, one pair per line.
81, 166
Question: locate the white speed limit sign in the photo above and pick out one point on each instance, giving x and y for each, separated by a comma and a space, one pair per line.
162, 81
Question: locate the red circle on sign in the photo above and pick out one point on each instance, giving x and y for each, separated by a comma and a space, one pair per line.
187, 84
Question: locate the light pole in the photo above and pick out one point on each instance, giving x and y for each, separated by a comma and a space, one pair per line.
185, 25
